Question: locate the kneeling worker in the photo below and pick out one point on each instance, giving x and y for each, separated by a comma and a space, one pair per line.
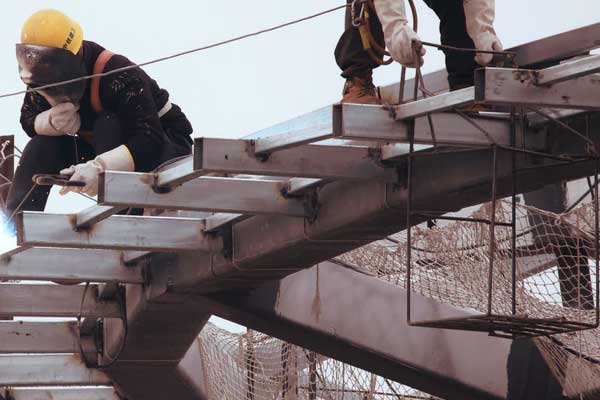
122, 122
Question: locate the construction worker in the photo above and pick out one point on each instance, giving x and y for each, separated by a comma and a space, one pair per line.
463, 24
122, 122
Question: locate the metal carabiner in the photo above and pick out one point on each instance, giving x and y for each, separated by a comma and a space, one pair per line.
357, 21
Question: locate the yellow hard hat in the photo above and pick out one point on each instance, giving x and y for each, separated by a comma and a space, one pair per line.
52, 28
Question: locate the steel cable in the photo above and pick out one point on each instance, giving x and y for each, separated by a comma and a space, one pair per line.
176, 55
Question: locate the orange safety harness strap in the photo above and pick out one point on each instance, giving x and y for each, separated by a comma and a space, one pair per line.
99, 66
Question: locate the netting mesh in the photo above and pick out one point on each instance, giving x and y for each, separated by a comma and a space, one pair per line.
450, 264
256, 366
556, 277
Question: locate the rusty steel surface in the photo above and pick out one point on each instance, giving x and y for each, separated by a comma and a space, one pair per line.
352, 214
361, 320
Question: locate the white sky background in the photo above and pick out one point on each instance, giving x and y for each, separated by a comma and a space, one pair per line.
249, 85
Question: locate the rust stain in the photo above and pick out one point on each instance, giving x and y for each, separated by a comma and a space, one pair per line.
148, 179
523, 75
316, 303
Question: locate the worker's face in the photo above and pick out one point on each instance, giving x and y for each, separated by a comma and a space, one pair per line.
39, 66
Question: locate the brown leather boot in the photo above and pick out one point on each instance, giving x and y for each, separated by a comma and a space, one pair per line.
360, 90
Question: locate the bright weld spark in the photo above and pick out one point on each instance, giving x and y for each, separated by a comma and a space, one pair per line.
8, 240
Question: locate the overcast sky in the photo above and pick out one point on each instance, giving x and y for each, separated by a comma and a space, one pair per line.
249, 85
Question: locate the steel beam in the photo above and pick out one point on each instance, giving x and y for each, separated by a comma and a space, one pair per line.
367, 122
68, 265
119, 232
308, 128
308, 161
441, 102
514, 86
94, 214
62, 394
297, 186
568, 71
38, 337
351, 211
355, 213
227, 195
48, 370
176, 174
396, 151
534, 54
218, 221
558, 47
361, 320
54, 301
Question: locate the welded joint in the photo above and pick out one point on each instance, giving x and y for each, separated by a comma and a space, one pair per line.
160, 189
251, 151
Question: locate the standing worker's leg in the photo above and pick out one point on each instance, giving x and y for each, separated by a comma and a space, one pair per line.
355, 63
453, 30
42, 155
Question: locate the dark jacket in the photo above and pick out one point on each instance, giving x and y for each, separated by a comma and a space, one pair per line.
135, 99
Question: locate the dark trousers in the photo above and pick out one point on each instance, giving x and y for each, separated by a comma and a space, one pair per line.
50, 154
355, 61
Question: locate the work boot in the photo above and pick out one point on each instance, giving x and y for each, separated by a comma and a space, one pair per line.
360, 90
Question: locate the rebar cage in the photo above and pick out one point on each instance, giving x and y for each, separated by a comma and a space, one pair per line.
517, 271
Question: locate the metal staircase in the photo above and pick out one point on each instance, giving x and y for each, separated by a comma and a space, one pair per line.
244, 230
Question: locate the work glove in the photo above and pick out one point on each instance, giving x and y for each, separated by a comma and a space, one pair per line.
118, 159
62, 119
480, 16
400, 39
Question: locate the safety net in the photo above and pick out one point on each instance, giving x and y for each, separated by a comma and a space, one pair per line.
555, 278
255, 366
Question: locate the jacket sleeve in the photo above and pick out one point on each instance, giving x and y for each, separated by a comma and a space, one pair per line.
396, 31
33, 104
129, 96
480, 15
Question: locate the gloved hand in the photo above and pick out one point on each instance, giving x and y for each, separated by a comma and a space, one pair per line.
62, 119
118, 159
480, 16
399, 36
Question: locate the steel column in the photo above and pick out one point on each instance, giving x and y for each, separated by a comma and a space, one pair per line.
361, 320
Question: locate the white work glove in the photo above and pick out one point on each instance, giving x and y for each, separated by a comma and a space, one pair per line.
118, 159
62, 119
399, 36
480, 16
